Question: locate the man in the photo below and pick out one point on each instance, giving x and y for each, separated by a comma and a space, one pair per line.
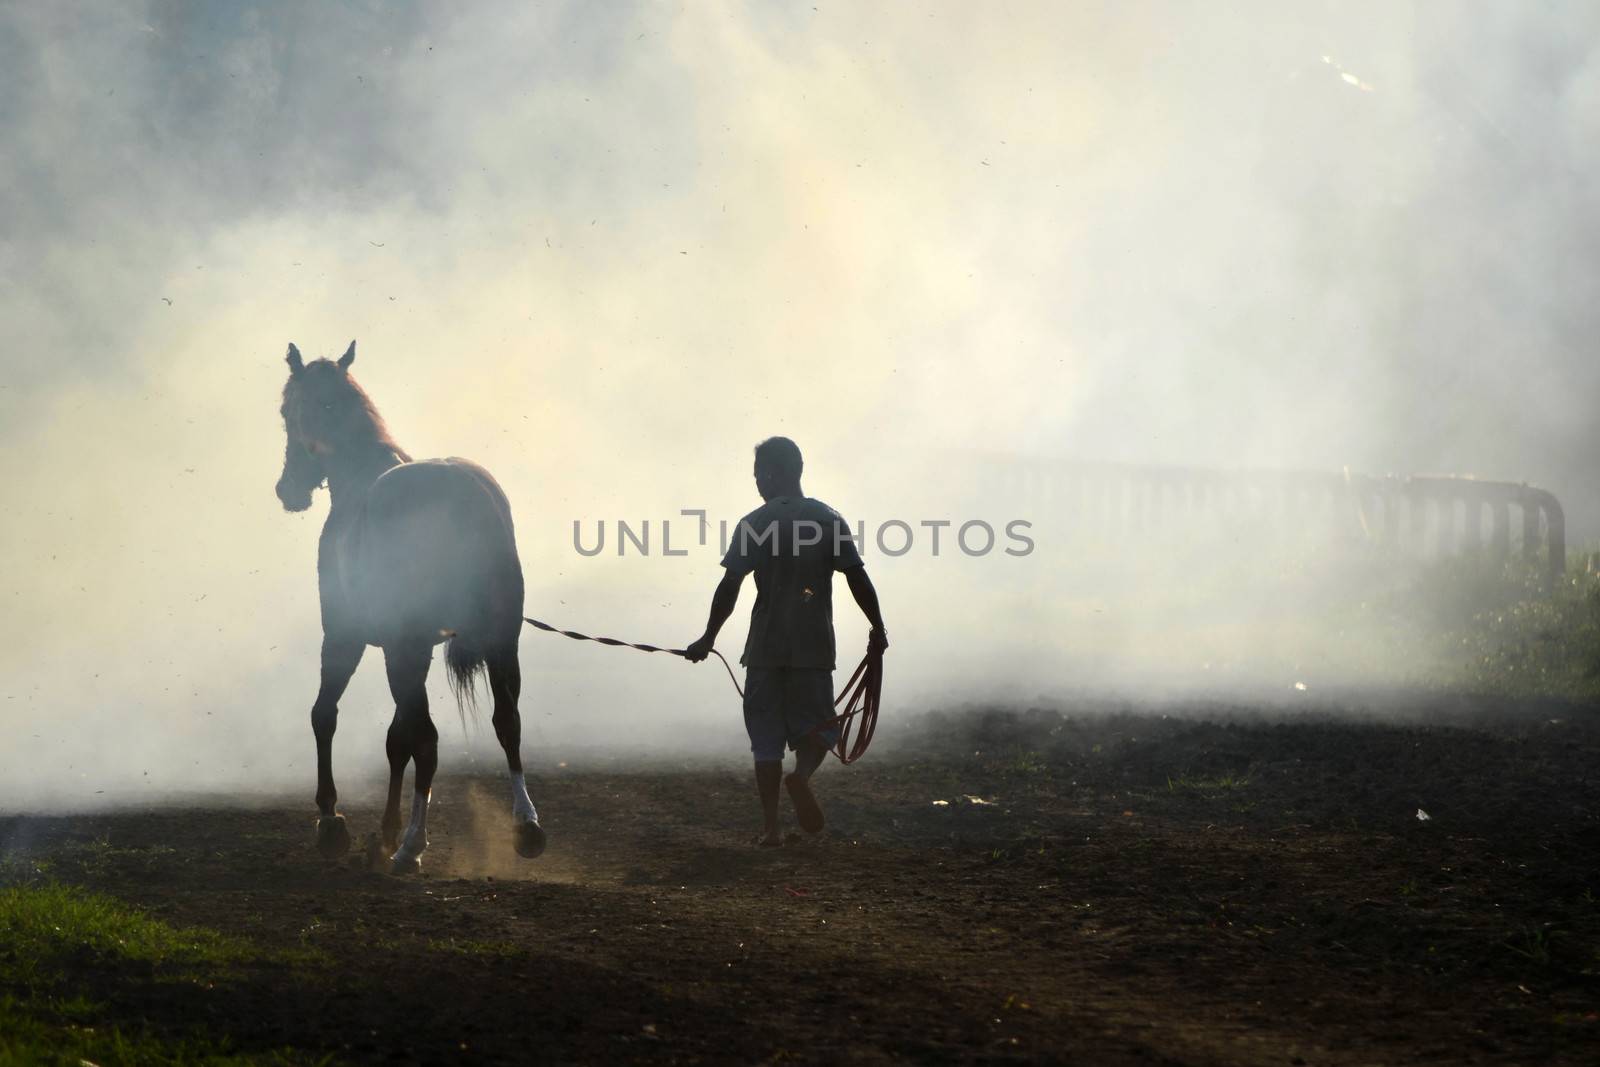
793, 544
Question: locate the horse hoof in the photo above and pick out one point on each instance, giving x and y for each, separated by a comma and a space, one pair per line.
375, 855
530, 840
333, 837
402, 864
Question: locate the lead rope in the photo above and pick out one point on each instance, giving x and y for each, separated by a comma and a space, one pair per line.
860, 696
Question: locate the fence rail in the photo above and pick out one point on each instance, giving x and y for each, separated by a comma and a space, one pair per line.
1427, 514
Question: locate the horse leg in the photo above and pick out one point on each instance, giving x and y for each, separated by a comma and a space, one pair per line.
339, 661
397, 746
411, 736
505, 682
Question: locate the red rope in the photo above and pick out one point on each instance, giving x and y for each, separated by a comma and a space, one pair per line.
860, 696
863, 690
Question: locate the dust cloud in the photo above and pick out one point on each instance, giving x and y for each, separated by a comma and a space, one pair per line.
604, 252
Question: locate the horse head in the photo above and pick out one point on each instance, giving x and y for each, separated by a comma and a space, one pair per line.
322, 409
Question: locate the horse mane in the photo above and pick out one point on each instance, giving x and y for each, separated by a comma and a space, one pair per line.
378, 429
369, 428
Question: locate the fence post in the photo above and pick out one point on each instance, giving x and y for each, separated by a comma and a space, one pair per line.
1555, 524
1500, 535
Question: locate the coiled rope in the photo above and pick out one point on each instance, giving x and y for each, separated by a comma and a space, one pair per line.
860, 696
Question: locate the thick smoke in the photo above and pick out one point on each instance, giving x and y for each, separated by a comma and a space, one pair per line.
604, 252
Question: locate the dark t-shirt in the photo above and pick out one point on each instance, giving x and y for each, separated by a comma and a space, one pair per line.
793, 545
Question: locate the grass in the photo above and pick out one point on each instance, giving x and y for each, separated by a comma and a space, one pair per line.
1469, 623
1214, 786
1309, 618
51, 935
1537, 644
468, 947
1024, 761
43, 927
68, 1037
1532, 943
91, 861
1495, 628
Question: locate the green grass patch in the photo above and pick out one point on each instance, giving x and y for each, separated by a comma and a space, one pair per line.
1024, 761
53, 936
481, 949
1216, 785
47, 928
68, 1035
1539, 644
1460, 623
1470, 623
95, 861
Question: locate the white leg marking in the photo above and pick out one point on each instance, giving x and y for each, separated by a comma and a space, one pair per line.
522, 809
415, 842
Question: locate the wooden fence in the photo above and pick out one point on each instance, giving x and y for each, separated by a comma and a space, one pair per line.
1430, 515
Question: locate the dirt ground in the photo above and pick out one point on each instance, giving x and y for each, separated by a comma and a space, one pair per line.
1101, 887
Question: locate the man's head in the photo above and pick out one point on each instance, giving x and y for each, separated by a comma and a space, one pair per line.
778, 466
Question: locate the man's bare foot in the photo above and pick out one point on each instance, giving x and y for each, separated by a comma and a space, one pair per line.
806, 809
770, 839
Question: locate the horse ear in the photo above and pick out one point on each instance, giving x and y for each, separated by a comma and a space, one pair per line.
296, 364
348, 358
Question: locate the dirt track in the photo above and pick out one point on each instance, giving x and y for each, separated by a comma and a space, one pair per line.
1122, 889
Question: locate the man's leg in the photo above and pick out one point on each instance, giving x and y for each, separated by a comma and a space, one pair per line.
768, 774
807, 812
810, 703
763, 721
808, 756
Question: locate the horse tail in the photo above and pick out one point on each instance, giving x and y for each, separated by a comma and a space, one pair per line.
463, 664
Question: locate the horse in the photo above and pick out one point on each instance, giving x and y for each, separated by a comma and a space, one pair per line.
413, 553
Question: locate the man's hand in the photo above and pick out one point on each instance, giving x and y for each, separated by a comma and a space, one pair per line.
700, 649
877, 641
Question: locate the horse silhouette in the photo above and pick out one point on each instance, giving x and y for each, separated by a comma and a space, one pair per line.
413, 553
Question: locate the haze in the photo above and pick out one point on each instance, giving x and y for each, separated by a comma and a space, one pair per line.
604, 252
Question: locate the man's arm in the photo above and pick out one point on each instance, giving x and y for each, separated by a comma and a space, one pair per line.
722, 604
867, 600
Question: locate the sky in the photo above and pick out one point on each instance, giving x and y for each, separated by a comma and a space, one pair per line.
603, 251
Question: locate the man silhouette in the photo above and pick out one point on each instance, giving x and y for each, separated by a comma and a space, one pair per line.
793, 544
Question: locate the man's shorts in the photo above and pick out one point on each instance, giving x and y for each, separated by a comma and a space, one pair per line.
784, 704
